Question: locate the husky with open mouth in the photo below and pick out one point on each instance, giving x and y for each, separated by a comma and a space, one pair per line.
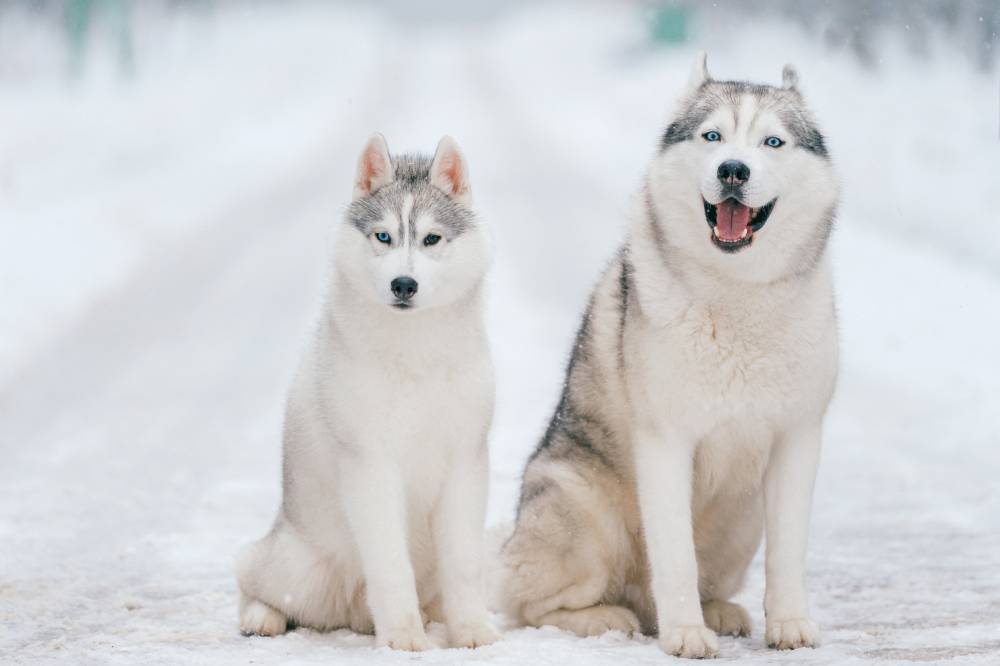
691, 416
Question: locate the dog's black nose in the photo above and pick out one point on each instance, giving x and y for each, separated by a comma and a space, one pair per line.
403, 288
734, 172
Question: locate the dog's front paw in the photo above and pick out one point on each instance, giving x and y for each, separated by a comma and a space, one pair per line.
694, 642
411, 639
472, 635
792, 634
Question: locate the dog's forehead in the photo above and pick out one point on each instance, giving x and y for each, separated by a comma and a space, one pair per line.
423, 219
410, 204
741, 99
748, 115
742, 102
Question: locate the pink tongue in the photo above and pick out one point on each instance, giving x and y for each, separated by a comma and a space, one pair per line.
731, 220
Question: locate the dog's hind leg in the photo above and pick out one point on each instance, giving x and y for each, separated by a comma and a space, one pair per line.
593, 620
726, 618
729, 533
561, 564
259, 619
283, 580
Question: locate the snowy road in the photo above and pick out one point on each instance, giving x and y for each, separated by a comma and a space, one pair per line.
164, 277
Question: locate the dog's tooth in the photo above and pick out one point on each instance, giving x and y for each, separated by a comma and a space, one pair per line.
745, 232
715, 230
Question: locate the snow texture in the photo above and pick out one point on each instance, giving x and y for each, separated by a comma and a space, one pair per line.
166, 242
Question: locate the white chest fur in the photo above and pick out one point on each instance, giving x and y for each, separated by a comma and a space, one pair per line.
763, 353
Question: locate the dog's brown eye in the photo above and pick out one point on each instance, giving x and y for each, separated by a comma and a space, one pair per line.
431, 239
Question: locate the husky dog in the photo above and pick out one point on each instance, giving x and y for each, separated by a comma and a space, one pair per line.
691, 415
381, 523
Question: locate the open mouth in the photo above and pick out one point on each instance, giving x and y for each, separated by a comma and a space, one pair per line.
734, 223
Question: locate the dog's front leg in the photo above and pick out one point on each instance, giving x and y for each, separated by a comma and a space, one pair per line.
458, 533
664, 465
371, 489
788, 487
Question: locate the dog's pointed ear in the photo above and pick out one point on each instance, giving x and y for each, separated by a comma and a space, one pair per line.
699, 72
374, 167
789, 78
450, 171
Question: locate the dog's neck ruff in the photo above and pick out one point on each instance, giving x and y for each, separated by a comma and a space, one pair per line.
705, 282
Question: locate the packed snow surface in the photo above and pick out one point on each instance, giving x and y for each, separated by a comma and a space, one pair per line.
166, 241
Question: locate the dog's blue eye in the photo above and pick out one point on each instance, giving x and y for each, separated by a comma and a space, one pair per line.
383, 237
712, 135
774, 142
431, 239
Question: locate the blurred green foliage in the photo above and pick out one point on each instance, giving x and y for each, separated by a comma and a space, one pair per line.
669, 24
79, 18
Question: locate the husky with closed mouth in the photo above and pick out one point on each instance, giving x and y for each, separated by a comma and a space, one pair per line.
384, 491
690, 420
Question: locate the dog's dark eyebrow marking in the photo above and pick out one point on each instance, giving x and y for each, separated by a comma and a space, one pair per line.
682, 128
806, 134
677, 132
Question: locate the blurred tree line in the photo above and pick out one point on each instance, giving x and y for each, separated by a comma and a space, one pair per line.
857, 26
971, 26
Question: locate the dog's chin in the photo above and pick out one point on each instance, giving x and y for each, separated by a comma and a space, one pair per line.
402, 306
733, 223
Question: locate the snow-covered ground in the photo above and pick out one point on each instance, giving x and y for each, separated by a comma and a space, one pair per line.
164, 247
